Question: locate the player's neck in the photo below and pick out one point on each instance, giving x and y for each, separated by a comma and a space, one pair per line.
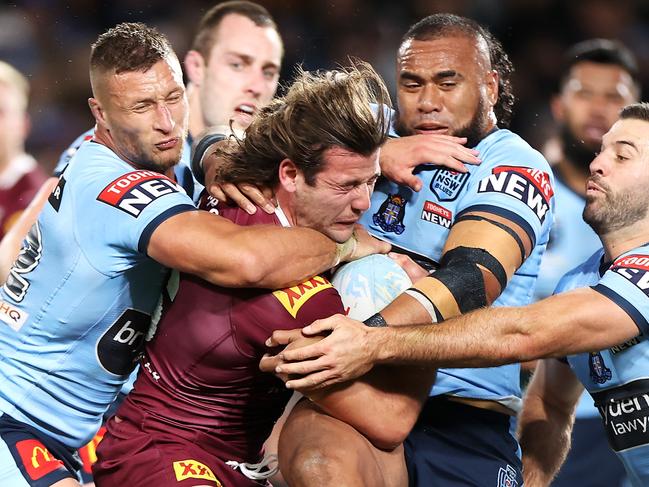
622, 240
284, 202
196, 125
5, 159
573, 176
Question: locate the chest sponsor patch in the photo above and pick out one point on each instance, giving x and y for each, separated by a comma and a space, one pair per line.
192, 469
447, 184
625, 412
37, 459
529, 185
634, 268
293, 298
434, 213
136, 190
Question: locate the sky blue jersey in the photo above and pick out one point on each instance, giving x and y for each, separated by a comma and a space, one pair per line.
514, 181
618, 377
77, 303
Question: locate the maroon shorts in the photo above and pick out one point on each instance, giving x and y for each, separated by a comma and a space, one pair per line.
129, 456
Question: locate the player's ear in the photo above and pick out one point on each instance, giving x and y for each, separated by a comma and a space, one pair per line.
97, 111
288, 175
492, 87
195, 67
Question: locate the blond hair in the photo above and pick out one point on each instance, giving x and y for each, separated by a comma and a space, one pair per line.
13, 78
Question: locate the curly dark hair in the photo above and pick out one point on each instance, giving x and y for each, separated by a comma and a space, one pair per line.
440, 25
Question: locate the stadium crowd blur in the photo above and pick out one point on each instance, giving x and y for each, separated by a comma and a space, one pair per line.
48, 41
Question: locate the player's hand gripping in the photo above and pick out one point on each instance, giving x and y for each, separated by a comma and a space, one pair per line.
343, 355
400, 156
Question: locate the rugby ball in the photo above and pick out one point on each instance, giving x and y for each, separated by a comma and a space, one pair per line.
368, 285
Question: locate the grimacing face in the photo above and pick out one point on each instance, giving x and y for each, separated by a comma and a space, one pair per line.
340, 194
616, 191
445, 85
146, 114
591, 100
241, 75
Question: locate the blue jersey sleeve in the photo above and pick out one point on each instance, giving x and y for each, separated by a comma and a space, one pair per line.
119, 209
68, 153
513, 181
626, 283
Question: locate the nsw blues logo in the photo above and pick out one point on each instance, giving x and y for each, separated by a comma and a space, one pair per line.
507, 477
391, 213
599, 372
447, 184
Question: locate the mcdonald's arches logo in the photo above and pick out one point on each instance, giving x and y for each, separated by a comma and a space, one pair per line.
37, 459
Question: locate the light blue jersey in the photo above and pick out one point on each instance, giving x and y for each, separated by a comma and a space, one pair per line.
182, 171
514, 181
77, 303
618, 377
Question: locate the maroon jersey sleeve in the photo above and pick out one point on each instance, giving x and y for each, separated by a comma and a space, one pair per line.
284, 309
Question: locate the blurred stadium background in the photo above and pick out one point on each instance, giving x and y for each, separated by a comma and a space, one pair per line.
49, 41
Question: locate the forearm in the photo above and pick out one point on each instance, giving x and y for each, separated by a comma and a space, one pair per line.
270, 257
544, 436
561, 325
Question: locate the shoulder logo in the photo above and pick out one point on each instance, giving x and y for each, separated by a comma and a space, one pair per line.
599, 372
507, 477
134, 191
192, 469
434, 213
293, 298
390, 215
529, 185
635, 268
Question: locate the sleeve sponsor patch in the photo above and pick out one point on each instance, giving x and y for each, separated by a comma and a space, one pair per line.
293, 298
634, 268
529, 185
134, 191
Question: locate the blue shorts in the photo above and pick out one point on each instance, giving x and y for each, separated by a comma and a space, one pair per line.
29, 457
454, 444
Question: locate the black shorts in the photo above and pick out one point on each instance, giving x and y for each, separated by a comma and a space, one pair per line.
29, 454
454, 444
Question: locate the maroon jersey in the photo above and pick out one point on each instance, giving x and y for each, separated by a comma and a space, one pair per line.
19, 183
201, 372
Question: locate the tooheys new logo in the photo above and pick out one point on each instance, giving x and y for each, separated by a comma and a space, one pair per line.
529, 185
134, 191
634, 268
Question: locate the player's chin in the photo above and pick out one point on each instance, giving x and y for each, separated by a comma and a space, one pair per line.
340, 232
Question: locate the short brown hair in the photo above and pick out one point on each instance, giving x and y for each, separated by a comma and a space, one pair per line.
637, 111
207, 28
129, 47
347, 108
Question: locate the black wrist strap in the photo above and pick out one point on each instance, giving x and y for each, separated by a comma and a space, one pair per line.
376, 321
199, 151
